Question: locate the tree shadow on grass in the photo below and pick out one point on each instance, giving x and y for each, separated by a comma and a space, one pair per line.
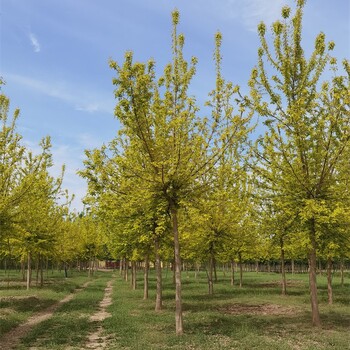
26, 303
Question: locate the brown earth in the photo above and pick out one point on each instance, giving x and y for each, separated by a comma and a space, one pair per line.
95, 339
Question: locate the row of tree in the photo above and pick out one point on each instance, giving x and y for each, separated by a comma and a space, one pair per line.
203, 186
36, 228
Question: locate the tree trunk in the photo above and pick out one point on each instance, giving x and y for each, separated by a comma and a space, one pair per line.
316, 321
145, 278
37, 264
29, 270
121, 263
329, 281
214, 269
41, 272
232, 272
240, 270
126, 269
23, 270
196, 271
159, 297
210, 275
283, 270
178, 301
342, 272
133, 275
293, 268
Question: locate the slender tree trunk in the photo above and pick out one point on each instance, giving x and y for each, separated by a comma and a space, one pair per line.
65, 270
145, 278
159, 297
342, 272
37, 264
283, 270
23, 270
41, 272
47, 267
293, 268
329, 281
214, 269
210, 275
196, 271
240, 270
133, 275
121, 262
126, 270
29, 270
178, 300
232, 272
316, 321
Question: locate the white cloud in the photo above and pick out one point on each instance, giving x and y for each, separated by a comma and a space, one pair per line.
90, 108
252, 12
35, 43
69, 94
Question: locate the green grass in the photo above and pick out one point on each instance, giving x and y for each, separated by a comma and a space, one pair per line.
17, 304
70, 325
226, 321
255, 316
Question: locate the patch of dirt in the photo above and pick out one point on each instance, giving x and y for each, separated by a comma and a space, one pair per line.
95, 339
11, 339
290, 283
262, 309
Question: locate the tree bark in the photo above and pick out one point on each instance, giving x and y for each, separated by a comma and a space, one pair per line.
145, 278
159, 297
329, 281
240, 270
178, 300
126, 270
210, 275
232, 272
214, 269
41, 272
342, 272
29, 270
283, 270
133, 275
316, 321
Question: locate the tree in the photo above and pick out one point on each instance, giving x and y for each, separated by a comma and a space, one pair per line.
307, 126
163, 141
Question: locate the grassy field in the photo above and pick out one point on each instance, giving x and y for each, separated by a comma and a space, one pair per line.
255, 316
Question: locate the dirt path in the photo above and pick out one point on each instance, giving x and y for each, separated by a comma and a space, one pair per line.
11, 339
95, 339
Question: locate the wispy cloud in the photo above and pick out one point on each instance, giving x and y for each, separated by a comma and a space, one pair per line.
90, 108
87, 101
35, 42
252, 12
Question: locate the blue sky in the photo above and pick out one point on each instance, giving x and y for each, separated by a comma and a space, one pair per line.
54, 58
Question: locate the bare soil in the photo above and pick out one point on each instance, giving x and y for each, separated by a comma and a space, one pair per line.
261, 309
96, 340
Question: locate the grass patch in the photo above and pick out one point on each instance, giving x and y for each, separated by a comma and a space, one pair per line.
17, 304
69, 325
255, 316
